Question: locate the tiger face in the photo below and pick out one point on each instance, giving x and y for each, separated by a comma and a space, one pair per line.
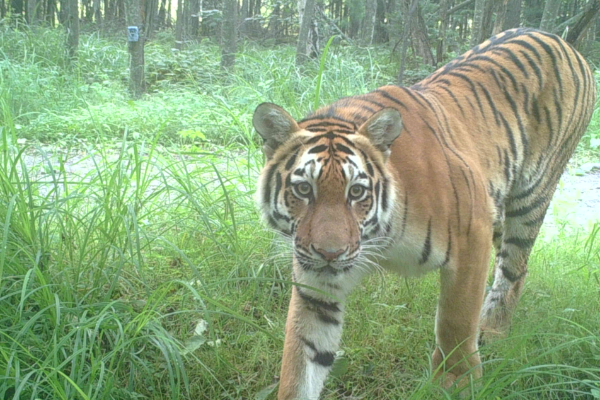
328, 191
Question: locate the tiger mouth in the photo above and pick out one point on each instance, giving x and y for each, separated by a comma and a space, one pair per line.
329, 268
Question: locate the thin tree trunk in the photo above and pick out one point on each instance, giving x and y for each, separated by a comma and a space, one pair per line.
162, 14
420, 39
228, 34
477, 22
72, 27
107, 10
512, 18
152, 19
550, 14
408, 17
32, 6
368, 23
97, 13
500, 17
482, 21
195, 6
137, 81
179, 26
244, 17
441, 42
302, 49
17, 7
168, 16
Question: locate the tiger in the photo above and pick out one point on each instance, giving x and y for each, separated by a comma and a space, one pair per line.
430, 177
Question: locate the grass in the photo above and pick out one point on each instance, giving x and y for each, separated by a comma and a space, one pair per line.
132, 264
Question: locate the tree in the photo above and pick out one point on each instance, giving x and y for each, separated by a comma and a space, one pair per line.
228, 34
583, 21
194, 18
137, 81
409, 10
512, 17
32, 11
368, 22
441, 42
420, 39
482, 21
72, 27
179, 26
306, 20
550, 14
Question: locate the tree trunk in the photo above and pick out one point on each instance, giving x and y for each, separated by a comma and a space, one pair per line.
32, 8
17, 7
162, 15
168, 16
273, 27
368, 23
137, 81
304, 42
477, 22
179, 26
550, 14
228, 34
243, 18
420, 39
195, 7
97, 13
512, 18
482, 21
150, 17
441, 41
409, 11
72, 27
500, 17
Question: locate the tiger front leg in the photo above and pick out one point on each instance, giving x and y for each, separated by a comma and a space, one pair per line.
457, 321
312, 336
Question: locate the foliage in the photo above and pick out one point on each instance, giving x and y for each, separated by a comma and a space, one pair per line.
51, 100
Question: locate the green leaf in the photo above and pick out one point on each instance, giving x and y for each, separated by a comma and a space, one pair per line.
264, 394
596, 393
340, 367
193, 344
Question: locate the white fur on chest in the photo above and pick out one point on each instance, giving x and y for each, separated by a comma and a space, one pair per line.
405, 258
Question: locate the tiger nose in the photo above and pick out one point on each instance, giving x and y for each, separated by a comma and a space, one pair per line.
329, 254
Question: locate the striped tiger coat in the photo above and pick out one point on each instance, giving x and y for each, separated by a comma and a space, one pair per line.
422, 178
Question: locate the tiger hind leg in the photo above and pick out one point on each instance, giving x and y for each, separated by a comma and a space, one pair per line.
524, 214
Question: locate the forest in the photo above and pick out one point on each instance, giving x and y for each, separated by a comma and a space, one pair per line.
133, 263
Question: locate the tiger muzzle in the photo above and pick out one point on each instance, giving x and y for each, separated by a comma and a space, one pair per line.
328, 253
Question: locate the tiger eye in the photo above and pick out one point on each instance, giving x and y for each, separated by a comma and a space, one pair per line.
356, 191
304, 189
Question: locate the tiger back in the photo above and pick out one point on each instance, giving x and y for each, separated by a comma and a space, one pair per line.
419, 179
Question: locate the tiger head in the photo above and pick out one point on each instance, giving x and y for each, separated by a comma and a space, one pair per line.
329, 191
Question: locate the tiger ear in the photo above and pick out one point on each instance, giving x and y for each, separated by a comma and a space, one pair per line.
274, 125
383, 128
